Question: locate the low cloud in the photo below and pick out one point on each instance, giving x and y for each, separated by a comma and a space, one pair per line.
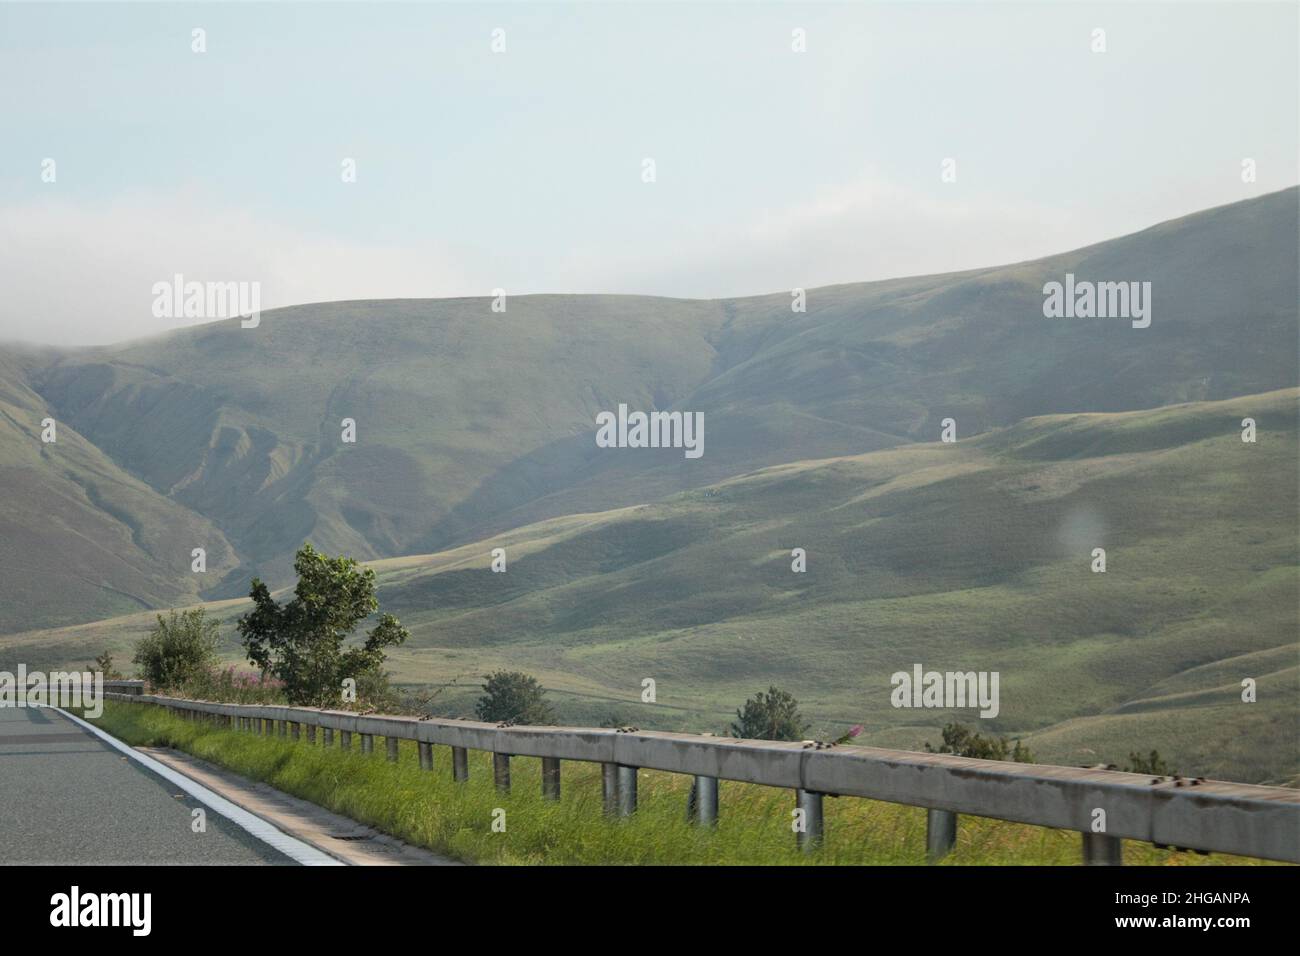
82, 274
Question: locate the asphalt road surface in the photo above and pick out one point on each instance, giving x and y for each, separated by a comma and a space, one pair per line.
66, 798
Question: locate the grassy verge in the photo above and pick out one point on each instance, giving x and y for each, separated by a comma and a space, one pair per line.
430, 810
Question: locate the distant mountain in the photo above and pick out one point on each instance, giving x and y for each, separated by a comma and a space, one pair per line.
470, 422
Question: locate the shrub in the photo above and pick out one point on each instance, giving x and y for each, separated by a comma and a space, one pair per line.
513, 697
180, 648
771, 716
962, 741
1152, 764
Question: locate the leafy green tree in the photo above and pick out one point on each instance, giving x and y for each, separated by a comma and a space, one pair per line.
513, 697
962, 741
771, 716
179, 649
302, 642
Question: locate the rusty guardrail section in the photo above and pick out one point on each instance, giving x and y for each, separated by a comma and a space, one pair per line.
1205, 815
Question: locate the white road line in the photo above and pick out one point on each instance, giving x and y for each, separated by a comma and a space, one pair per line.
295, 849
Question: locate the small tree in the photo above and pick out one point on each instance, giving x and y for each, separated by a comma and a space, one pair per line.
513, 697
771, 716
960, 740
301, 642
103, 664
179, 649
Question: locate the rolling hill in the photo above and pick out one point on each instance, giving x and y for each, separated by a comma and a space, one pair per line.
475, 430
470, 421
968, 556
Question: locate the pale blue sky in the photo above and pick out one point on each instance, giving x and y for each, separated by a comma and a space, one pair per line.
523, 169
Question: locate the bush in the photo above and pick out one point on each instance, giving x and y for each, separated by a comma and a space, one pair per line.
1153, 764
179, 649
513, 697
960, 740
771, 716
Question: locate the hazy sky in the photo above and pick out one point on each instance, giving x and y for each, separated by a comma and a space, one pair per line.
523, 169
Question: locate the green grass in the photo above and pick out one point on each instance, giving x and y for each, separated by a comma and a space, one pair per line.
430, 810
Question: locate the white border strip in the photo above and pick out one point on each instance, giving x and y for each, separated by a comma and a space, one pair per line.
292, 847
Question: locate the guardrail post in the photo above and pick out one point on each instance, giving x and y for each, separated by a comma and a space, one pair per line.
367, 743
609, 787
264, 727
550, 778
426, 756
702, 805
282, 726
940, 833
626, 790
311, 734
392, 748
345, 740
501, 771
809, 837
459, 764
295, 729
329, 736
1102, 850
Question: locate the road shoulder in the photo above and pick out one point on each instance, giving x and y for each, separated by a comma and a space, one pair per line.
344, 839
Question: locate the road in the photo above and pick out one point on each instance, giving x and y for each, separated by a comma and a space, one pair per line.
67, 798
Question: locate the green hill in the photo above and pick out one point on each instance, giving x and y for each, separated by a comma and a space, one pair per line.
470, 422
967, 556
82, 537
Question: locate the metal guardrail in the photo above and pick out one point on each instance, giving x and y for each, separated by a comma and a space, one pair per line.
1203, 815
133, 687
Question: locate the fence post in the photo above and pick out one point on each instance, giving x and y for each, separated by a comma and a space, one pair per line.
459, 764
940, 834
702, 806
809, 837
426, 756
1102, 850
609, 787
392, 748
551, 778
367, 743
626, 790
501, 771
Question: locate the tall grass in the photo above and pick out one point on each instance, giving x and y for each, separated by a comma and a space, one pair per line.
430, 810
